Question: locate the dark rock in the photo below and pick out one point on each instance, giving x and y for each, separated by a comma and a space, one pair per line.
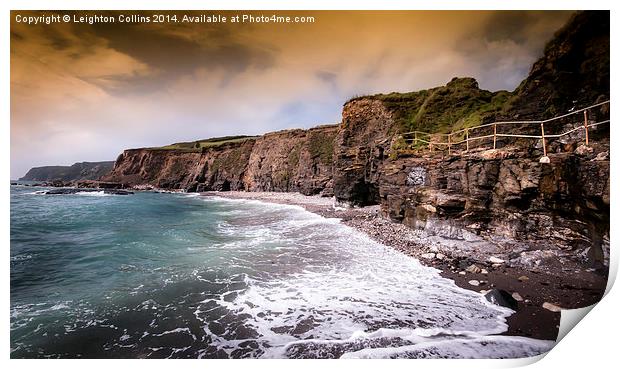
99, 184
70, 191
501, 298
573, 73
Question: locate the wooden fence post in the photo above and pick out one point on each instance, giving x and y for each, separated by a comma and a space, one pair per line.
467, 139
585, 125
449, 144
494, 135
542, 130
415, 140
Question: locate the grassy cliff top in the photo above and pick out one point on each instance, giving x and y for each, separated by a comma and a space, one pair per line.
196, 146
459, 104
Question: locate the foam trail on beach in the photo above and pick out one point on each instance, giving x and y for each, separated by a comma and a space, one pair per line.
352, 293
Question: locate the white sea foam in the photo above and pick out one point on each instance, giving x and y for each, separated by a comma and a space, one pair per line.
40, 192
489, 347
92, 193
340, 292
278, 281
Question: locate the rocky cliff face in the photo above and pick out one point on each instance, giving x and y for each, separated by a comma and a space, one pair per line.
169, 169
296, 160
369, 128
217, 167
504, 194
75, 172
221, 168
361, 144
573, 72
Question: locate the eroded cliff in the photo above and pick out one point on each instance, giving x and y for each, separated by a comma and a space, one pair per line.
294, 160
500, 194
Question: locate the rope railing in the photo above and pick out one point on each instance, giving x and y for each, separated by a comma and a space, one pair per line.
426, 138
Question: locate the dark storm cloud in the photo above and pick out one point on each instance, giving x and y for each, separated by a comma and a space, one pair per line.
515, 25
519, 27
506, 41
101, 88
171, 52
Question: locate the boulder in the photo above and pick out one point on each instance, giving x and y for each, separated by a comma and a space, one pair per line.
551, 307
502, 298
473, 269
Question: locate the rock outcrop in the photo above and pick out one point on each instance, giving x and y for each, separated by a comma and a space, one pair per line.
573, 72
295, 160
216, 167
77, 171
504, 195
362, 142
160, 168
370, 125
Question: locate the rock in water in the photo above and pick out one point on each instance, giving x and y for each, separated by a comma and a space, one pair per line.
502, 298
70, 191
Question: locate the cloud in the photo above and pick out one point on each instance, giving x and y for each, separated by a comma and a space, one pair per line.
86, 92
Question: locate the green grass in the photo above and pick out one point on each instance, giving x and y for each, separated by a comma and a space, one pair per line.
459, 104
197, 146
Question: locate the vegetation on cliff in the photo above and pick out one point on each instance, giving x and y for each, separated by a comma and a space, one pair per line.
321, 145
459, 104
198, 145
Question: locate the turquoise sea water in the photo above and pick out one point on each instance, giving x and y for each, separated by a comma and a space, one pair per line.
174, 275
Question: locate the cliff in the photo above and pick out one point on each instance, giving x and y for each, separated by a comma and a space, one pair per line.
572, 73
503, 194
369, 128
498, 194
294, 160
77, 171
213, 164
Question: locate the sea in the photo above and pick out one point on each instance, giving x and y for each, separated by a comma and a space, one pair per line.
174, 275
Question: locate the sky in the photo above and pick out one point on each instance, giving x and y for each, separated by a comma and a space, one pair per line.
86, 92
